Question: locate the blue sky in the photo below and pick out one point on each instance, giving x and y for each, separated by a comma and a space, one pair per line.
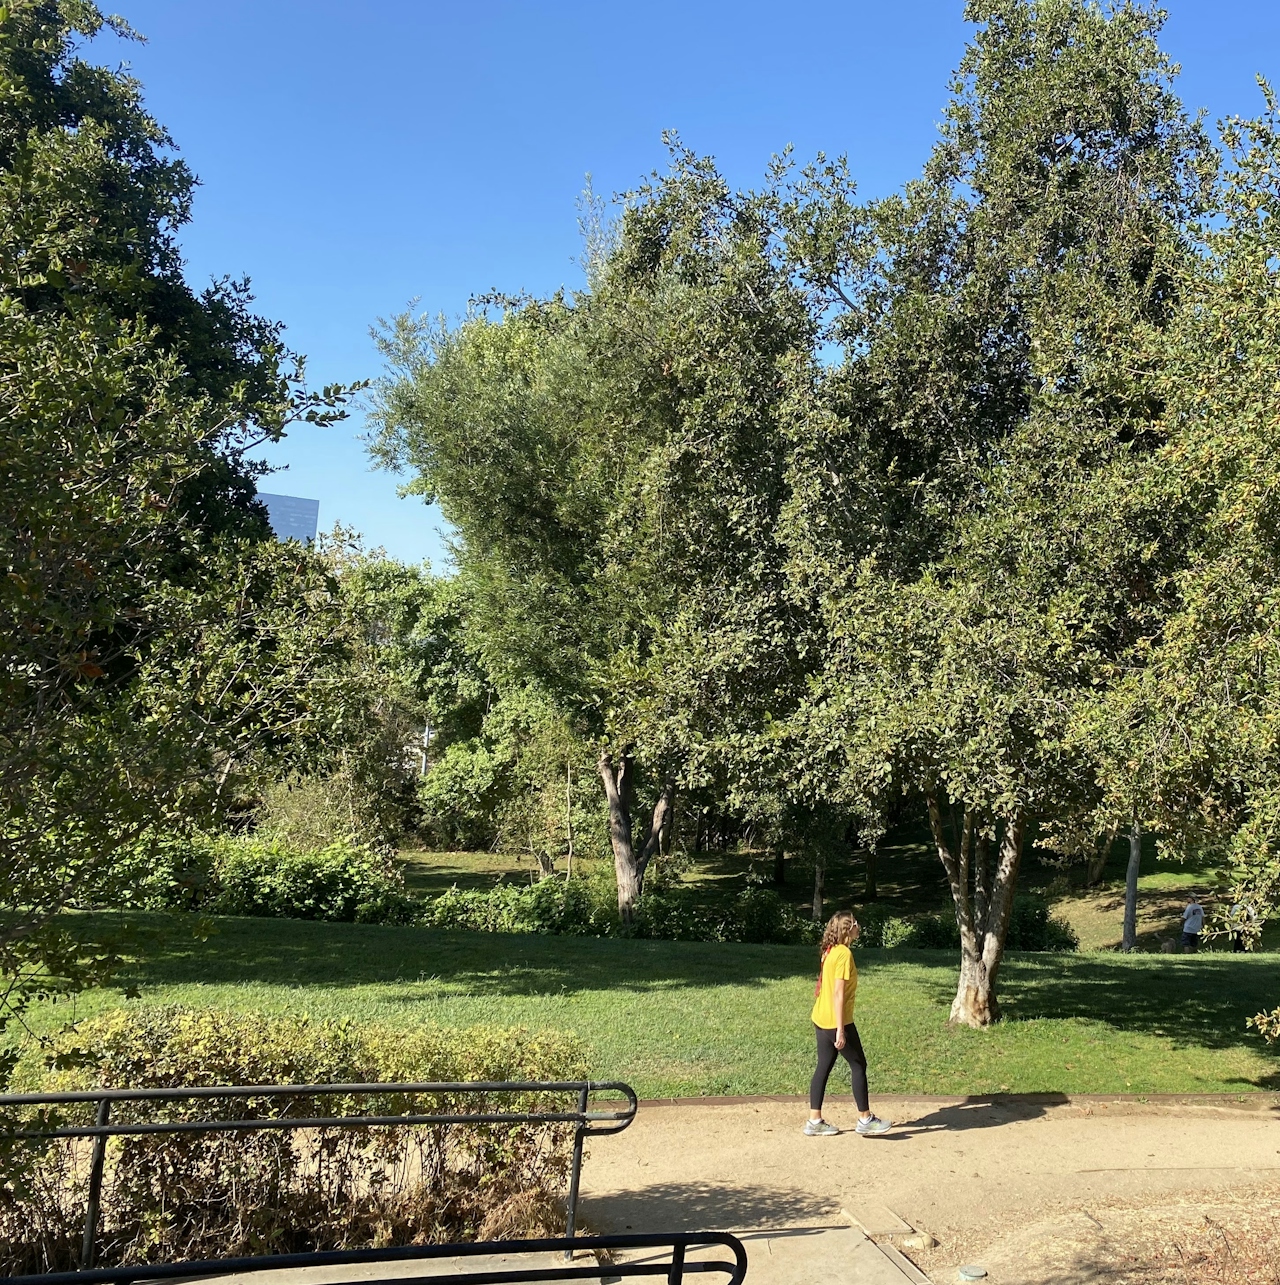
357, 157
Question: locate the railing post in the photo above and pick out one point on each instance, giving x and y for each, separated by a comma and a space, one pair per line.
95, 1186
676, 1275
579, 1132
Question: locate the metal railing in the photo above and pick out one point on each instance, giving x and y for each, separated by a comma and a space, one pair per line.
585, 1121
678, 1243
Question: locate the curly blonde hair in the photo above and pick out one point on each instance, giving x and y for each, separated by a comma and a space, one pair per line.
838, 932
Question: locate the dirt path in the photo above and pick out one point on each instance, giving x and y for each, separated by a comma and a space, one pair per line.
976, 1175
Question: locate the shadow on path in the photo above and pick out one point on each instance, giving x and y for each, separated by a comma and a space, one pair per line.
698, 1206
988, 1112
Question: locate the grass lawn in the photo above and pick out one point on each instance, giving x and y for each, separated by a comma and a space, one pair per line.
428, 874
686, 1018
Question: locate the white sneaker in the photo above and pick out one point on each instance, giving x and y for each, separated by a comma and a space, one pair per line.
873, 1125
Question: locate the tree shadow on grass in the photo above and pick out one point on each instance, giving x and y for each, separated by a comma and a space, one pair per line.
1202, 1001
284, 952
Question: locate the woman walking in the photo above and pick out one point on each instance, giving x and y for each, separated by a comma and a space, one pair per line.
833, 1022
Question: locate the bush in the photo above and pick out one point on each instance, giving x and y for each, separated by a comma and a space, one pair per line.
460, 794
164, 871
231, 875
588, 908
172, 1197
1031, 927
553, 906
373, 808
340, 882
761, 915
672, 914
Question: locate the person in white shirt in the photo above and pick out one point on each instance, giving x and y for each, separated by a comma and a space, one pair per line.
1192, 923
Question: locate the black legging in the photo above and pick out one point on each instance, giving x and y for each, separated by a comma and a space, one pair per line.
853, 1054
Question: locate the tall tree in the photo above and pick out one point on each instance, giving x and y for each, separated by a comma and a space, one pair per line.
1197, 726
615, 466
994, 554
127, 403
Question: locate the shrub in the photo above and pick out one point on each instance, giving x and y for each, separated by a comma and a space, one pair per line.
587, 908
373, 808
162, 870
233, 875
340, 882
460, 794
555, 906
1031, 927
170, 1197
761, 915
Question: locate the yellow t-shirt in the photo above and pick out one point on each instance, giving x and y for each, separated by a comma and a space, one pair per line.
838, 963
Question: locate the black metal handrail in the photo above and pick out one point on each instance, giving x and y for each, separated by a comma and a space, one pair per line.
679, 1243
585, 1121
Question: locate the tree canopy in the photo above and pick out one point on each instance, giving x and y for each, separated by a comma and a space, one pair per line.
822, 503
147, 631
809, 507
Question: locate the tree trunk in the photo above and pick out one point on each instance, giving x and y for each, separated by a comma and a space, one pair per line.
869, 889
1129, 939
984, 906
981, 879
659, 825
779, 866
1097, 863
819, 877
975, 1003
568, 819
668, 827
629, 864
617, 791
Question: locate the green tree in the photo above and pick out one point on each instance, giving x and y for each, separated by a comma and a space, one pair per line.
976, 525
1195, 728
127, 404
614, 464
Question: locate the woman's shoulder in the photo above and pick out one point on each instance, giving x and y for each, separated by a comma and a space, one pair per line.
838, 948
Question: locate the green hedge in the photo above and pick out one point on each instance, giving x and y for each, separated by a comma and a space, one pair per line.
582, 909
246, 875
172, 1197
1031, 927
339, 882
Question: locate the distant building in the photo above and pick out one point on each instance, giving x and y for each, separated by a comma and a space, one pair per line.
292, 517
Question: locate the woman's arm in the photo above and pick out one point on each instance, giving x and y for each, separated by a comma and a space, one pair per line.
838, 1005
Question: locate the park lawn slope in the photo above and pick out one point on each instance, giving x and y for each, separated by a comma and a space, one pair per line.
679, 1019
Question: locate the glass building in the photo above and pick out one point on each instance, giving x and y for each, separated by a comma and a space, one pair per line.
292, 517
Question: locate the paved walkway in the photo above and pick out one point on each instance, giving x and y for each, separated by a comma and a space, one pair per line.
1022, 1186
963, 1171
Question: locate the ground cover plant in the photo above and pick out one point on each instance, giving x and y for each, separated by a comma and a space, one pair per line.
689, 1018
169, 1197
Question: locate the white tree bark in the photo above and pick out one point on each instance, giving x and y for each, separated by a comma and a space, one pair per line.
984, 906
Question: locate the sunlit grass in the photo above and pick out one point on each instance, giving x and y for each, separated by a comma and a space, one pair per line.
686, 1018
